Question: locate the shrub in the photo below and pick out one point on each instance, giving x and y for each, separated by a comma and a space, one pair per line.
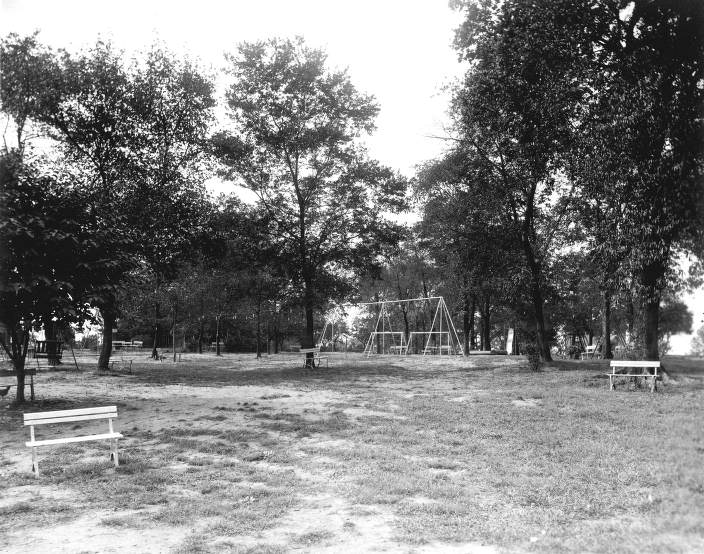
530, 349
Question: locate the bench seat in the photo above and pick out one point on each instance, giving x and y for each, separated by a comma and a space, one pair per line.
75, 439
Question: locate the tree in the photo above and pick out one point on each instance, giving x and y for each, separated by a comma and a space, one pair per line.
172, 102
87, 111
470, 237
52, 266
52, 254
294, 146
514, 111
641, 151
698, 343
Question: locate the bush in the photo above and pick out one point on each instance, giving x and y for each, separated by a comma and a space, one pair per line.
530, 349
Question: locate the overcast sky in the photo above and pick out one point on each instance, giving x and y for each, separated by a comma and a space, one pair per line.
398, 50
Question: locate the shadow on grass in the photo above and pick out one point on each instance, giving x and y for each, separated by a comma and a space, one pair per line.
215, 377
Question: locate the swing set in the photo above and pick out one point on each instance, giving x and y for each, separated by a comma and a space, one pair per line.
441, 339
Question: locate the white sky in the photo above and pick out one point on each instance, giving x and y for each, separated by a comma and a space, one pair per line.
398, 50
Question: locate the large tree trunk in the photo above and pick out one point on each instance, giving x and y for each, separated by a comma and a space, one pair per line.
308, 341
468, 321
259, 327
538, 301
606, 326
51, 335
108, 315
486, 323
630, 318
173, 333
651, 281
155, 343
18, 354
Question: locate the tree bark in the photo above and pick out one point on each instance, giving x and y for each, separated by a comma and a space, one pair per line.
651, 281
108, 315
465, 323
51, 335
259, 326
155, 343
173, 333
486, 323
18, 351
308, 341
606, 326
538, 301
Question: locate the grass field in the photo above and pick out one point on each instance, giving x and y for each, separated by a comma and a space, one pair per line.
389, 454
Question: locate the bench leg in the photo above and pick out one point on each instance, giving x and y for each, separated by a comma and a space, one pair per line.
113, 455
653, 386
35, 465
611, 383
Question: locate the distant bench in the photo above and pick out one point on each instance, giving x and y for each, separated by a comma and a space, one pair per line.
590, 352
316, 355
648, 370
127, 344
67, 416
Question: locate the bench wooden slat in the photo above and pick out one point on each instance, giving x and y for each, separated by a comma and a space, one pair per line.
69, 413
110, 415
634, 363
75, 439
309, 350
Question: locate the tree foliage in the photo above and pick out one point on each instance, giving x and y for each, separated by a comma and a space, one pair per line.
294, 145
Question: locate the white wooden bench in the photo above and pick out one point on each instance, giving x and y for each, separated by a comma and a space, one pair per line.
316, 355
66, 416
629, 366
590, 352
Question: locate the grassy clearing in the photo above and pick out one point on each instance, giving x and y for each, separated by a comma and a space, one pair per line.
395, 454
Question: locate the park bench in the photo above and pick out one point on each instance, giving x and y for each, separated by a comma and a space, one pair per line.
445, 348
10, 374
47, 353
590, 352
630, 367
316, 355
67, 416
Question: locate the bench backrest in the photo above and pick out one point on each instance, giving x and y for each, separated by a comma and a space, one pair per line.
139, 343
63, 416
637, 364
634, 363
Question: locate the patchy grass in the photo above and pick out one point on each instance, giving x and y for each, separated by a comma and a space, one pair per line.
370, 454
